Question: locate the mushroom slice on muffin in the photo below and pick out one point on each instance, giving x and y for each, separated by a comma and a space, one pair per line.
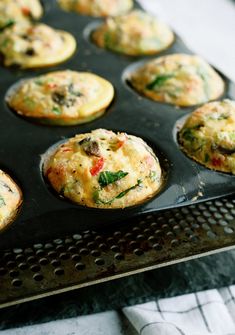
10, 200
19, 10
35, 45
136, 33
208, 136
61, 98
97, 8
178, 79
103, 169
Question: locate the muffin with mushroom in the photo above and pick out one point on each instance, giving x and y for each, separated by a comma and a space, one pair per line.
178, 79
18, 11
61, 98
208, 136
97, 8
103, 169
35, 45
10, 200
135, 33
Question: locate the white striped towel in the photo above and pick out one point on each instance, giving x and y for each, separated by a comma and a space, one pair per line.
204, 313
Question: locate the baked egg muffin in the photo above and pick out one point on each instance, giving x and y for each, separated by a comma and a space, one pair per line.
35, 45
178, 79
97, 8
208, 136
10, 200
12, 11
61, 98
136, 33
103, 169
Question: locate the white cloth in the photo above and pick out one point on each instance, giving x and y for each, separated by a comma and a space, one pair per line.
204, 313
208, 28
108, 323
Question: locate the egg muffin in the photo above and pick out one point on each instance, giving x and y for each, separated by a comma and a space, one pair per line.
19, 10
35, 45
61, 98
208, 136
97, 8
10, 200
136, 33
103, 169
178, 79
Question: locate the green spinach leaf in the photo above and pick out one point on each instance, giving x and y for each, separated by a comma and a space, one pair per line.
56, 110
98, 200
2, 202
108, 177
7, 24
159, 81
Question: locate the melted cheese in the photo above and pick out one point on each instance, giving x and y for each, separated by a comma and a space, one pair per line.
208, 136
76, 168
178, 79
136, 33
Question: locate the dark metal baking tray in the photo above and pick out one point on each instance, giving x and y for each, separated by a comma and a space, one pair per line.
22, 143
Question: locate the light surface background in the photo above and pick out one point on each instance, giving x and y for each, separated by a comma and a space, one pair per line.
206, 26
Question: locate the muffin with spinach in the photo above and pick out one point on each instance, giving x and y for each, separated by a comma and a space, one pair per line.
178, 79
97, 8
28, 45
10, 200
61, 98
135, 33
208, 136
18, 11
102, 169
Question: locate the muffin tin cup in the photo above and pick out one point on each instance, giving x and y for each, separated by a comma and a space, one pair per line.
45, 215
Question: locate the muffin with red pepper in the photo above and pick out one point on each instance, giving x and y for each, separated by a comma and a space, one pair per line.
97, 8
178, 79
61, 98
103, 169
10, 200
35, 45
208, 136
19, 10
136, 33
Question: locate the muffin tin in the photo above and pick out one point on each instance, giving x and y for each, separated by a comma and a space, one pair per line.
45, 215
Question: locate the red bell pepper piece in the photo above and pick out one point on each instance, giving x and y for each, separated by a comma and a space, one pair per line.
97, 167
25, 11
120, 144
66, 149
51, 85
216, 161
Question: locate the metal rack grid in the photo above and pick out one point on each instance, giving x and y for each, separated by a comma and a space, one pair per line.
144, 243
